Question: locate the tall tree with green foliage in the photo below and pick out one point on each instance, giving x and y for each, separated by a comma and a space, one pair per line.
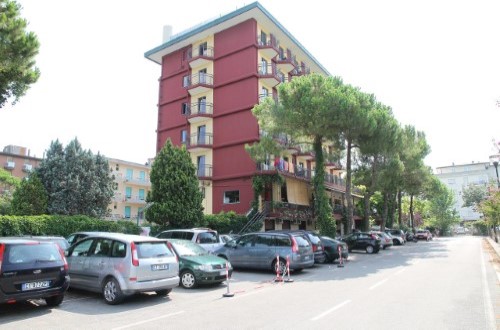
30, 198
8, 184
306, 111
77, 181
473, 195
374, 150
441, 206
175, 197
490, 208
416, 173
18, 49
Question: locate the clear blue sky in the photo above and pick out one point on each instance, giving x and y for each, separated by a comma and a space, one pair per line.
436, 63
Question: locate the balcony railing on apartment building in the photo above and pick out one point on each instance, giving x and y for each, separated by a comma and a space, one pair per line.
300, 71
204, 171
135, 199
199, 78
198, 108
132, 180
303, 173
200, 140
200, 52
286, 62
289, 211
267, 46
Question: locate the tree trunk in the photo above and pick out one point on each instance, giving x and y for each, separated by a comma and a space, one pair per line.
411, 214
350, 211
400, 210
385, 212
366, 218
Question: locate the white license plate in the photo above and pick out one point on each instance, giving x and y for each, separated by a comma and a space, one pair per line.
159, 267
306, 257
223, 272
35, 285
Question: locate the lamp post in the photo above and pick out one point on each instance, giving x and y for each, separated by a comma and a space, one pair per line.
494, 159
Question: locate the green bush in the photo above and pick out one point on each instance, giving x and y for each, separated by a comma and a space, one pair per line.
60, 225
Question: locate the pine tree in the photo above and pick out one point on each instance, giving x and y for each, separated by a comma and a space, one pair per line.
175, 196
30, 198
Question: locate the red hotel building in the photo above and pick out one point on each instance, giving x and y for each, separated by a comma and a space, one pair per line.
212, 76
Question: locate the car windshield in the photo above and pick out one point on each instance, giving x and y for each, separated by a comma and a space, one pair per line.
187, 250
146, 250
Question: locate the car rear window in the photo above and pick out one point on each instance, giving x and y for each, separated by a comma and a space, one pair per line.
301, 240
29, 253
146, 250
314, 239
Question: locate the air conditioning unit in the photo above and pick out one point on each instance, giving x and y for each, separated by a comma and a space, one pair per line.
27, 168
10, 165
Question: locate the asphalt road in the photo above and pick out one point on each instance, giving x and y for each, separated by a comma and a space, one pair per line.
448, 283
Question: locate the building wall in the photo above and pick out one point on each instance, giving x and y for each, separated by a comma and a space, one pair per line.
458, 177
17, 161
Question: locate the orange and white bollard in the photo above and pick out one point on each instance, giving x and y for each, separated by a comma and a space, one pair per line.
278, 274
341, 260
288, 280
227, 294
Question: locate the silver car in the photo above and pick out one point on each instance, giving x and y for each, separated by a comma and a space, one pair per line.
269, 251
119, 265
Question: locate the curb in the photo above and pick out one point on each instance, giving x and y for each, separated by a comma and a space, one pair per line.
494, 245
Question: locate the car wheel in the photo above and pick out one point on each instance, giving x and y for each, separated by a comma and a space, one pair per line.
54, 300
112, 292
188, 281
163, 292
281, 265
369, 249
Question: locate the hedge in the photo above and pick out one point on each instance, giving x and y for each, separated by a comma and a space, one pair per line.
223, 223
60, 225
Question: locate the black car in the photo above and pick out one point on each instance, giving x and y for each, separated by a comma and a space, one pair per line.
32, 269
315, 240
363, 241
331, 247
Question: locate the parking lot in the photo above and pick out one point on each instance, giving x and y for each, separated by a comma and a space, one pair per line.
397, 286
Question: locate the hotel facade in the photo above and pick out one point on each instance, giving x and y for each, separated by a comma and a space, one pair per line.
211, 77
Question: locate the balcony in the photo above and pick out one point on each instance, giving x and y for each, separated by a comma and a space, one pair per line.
197, 112
10, 165
198, 83
267, 46
28, 168
300, 71
288, 211
204, 171
285, 63
268, 74
200, 56
135, 199
198, 142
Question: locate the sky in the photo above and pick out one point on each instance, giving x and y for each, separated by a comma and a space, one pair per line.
435, 63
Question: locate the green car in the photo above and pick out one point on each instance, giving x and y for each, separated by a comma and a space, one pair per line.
197, 266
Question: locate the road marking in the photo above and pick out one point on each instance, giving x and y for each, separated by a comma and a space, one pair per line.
131, 325
378, 284
486, 292
400, 271
331, 310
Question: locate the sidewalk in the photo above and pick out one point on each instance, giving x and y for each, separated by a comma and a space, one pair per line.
496, 247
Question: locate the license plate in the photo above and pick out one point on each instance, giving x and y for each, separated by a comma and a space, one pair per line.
306, 257
223, 272
35, 285
159, 267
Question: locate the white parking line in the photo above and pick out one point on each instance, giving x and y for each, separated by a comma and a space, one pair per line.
131, 325
400, 271
331, 310
378, 284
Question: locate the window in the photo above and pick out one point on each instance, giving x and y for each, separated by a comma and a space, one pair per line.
142, 176
282, 53
102, 248
263, 66
201, 165
185, 81
118, 250
184, 136
202, 104
231, 197
184, 109
81, 249
141, 194
202, 134
117, 167
128, 192
264, 241
202, 76
263, 38
127, 212
203, 49
130, 174
207, 238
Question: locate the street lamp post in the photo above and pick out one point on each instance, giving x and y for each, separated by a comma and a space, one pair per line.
495, 163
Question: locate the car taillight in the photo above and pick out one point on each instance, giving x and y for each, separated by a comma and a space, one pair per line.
315, 248
2, 248
171, 248
295, 246
61, 252
374, 236
135, 259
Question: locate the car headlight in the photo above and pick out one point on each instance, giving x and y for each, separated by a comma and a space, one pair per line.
205, 268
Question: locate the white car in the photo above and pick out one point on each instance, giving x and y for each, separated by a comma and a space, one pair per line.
205, 237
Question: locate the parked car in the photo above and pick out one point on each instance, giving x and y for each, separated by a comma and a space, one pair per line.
331, 247
423, 234
266, 250
119, 265
197, 266
363, 241
207, 238
385, 239
78, 236
32, 269
316, 243
398, 236
59, 240
228, 237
